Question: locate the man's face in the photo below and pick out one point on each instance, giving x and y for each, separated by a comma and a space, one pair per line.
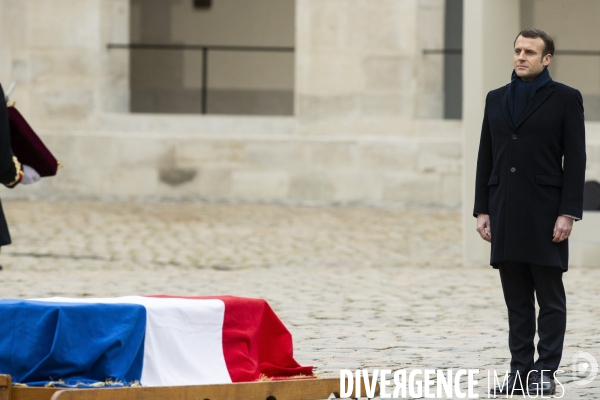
528, 58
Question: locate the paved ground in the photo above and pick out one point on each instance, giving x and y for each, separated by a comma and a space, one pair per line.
359, 287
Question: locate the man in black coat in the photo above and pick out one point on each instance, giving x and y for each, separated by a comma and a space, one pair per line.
528, 191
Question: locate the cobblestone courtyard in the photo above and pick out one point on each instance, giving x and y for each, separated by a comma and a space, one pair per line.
358, 286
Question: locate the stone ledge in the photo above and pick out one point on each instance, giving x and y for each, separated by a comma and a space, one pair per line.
365, 168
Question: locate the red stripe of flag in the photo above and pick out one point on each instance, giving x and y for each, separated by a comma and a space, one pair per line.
256, 344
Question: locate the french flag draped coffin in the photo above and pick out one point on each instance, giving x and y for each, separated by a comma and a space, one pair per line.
156, 341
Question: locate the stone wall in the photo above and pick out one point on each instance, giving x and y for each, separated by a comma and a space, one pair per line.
362, 60
246, 163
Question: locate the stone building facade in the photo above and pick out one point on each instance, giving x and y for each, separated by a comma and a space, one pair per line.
367, 121
369, 95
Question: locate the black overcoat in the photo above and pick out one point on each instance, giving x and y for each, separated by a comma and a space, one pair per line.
522, 181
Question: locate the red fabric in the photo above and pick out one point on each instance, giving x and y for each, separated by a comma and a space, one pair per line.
255, 341
28, 147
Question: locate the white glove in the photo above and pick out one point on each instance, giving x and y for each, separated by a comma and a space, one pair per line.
30, 175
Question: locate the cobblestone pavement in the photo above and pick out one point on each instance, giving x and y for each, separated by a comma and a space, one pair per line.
358, 286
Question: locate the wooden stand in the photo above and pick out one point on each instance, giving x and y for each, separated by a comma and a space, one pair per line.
299, 389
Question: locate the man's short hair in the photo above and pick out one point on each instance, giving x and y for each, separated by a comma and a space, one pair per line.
534, 33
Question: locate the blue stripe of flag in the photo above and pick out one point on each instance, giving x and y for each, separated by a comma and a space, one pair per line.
75, 342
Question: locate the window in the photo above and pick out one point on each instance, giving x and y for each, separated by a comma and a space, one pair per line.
232, 57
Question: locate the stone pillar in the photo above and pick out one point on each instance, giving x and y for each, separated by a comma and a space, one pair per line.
13, 47
114, 28
355, 62
56, 53
490, 28
4, 47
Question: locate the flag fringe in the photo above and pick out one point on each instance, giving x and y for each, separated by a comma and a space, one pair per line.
265, 378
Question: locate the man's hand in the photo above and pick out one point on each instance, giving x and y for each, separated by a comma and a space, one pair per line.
562, 228
483, 227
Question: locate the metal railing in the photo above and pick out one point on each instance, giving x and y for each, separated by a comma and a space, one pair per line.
457, 91
559, 52
204, 49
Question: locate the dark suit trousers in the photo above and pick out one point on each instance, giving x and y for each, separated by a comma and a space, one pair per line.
520, 282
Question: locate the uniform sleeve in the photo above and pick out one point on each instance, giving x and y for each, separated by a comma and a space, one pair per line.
484, 166
10, 168
571, 202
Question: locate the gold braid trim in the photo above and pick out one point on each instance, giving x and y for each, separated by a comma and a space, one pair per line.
19, 174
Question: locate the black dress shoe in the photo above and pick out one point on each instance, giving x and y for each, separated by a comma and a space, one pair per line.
511, 385
540, 384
